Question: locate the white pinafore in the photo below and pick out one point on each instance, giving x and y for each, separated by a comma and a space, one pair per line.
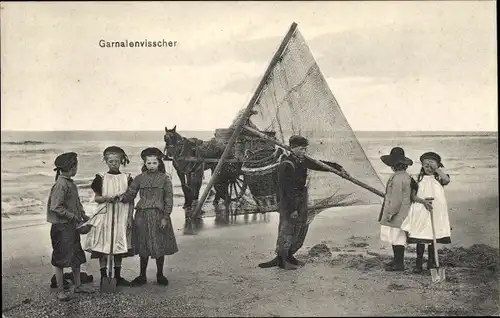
418, 222
99, 237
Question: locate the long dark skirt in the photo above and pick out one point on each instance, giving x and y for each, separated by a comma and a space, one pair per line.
148, 238
67, 249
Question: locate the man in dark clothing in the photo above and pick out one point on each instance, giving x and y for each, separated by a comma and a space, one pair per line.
292, 198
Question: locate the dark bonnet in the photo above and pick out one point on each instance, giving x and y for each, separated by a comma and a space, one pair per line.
119, 151
433, 156
152, 151
65, 161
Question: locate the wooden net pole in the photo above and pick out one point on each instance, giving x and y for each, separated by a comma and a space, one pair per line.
276, 142
239, 125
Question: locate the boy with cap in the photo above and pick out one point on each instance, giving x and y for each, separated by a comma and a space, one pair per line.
65, 211
292, 199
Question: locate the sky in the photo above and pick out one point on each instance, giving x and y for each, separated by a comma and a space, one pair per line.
425, 66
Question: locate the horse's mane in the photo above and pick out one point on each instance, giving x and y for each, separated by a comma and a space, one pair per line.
207, 149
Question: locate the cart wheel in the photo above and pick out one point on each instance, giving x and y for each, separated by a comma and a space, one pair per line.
237, 188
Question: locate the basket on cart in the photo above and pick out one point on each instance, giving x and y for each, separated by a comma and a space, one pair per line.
260, 170
244, 142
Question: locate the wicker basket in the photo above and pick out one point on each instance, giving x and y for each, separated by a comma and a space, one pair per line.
223, 135
261, 174
244, 143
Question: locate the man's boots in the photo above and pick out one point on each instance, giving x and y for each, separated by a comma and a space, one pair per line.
293, 260
274, 262
284, 262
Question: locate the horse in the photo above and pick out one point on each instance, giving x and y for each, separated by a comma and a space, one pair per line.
191, 173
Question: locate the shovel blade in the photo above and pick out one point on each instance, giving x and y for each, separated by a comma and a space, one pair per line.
438, 275
108, 285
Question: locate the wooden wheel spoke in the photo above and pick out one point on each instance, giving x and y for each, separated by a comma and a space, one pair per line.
239, 185
235, 190
230, 192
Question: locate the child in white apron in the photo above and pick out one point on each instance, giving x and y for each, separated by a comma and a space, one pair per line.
430, 198
107, 187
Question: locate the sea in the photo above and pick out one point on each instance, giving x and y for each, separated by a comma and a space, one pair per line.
27, 158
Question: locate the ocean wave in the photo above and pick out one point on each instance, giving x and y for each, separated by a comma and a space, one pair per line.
12, 204
468, 167
468, 136
12, 176
22, 152
35, 200
44, 177
84, 185
25, 142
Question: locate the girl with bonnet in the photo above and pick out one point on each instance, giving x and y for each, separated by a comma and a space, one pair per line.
107, 187
153, 234
431, 182
396, 205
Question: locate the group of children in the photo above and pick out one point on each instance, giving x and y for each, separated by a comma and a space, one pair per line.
405, 217
148, 233
409, 205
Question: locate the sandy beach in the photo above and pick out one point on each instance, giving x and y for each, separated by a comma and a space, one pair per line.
355, 79
216, 274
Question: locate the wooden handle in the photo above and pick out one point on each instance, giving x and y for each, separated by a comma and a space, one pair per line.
436, 257
112, 238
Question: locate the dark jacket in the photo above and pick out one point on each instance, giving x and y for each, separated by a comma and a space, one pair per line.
292, 179
64, 203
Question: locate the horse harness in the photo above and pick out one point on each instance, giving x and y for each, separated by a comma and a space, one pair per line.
181, 148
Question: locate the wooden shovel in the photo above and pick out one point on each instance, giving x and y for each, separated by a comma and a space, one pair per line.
109, 283
437, 274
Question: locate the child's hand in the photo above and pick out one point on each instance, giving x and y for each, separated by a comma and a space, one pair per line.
163, 223
294, 214
428, 204
130, 223
108, 199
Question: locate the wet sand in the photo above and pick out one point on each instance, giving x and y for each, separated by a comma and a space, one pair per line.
216, 274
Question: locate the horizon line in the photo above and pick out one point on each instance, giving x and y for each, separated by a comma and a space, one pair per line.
202, 130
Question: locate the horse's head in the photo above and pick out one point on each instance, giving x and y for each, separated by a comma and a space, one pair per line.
172, 141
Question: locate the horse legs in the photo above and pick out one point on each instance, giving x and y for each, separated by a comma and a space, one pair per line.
195, 181
221, 185
188, 200
220, 191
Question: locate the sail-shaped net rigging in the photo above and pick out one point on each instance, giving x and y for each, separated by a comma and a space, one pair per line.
296, 99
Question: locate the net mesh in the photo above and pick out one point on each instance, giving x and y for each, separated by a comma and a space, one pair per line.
296, 99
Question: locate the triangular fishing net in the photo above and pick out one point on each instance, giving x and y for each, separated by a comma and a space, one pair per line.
296, 99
